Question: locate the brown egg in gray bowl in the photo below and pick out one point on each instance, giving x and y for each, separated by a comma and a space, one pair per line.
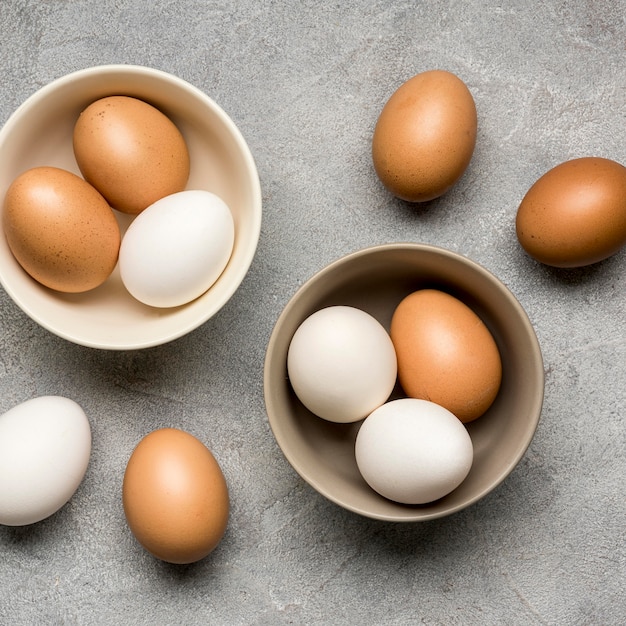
375, 280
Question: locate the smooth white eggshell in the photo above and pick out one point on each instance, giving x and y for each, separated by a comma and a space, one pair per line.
413, 451
175, 249
341, 363
45, 445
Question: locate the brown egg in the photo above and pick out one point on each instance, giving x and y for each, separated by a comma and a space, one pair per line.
131, 152
60, 229
575, 214
175, 496
425, 136
445, 353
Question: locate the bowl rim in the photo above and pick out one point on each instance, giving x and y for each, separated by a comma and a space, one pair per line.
255, 219
534, 347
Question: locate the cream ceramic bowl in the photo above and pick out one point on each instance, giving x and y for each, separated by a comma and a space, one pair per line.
375, 280
39, 133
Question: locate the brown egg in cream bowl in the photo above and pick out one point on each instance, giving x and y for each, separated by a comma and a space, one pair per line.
65, 274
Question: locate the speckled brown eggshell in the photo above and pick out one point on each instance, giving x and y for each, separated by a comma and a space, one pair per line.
131, 152
425, 136
175, 496
60, 229
575, 214
445, 353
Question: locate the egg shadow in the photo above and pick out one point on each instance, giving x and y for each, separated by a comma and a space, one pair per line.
36, 537
437, 208
182, 573
569, 276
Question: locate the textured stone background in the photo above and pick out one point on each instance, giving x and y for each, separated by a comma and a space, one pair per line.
305, 82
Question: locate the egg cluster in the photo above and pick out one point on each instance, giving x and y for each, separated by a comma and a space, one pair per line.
424, 138
344, 366
174, 493
411, 389
64, 230
439, 367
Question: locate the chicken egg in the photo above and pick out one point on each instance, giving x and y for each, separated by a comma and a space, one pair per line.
177, 248
175, 496
131, 152
60, 229
413, 451
446, 353
575, 214
45, 445
341, 363
425, 136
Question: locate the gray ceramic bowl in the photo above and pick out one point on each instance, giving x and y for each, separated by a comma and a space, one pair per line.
375, 280
40, 133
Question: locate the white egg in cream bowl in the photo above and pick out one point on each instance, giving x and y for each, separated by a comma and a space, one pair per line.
210, 155
415, 460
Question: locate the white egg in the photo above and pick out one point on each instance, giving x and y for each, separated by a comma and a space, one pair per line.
342, 364
413, 451
175, 249
45, 445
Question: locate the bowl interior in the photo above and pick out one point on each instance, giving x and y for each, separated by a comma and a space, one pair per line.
375, 280
40, 133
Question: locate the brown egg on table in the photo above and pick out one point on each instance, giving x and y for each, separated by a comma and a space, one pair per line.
575, 214
131, 152
60, 229
175, 496
425, 136
445, 353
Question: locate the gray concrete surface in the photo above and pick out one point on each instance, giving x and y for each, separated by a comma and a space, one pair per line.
305, 81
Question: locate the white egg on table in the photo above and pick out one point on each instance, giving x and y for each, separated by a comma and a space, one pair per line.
413, 451
341, 364
45, 445
176, 248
